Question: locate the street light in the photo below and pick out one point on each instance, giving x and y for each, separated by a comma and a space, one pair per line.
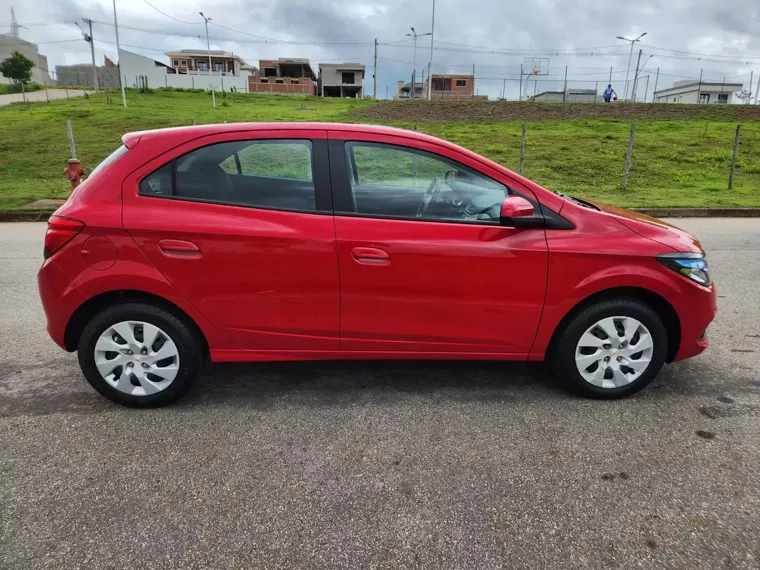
430, 64
118, 53
628, 69
210, 73
415, 35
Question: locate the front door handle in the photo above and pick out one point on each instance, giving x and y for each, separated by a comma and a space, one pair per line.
179, 248
370, 256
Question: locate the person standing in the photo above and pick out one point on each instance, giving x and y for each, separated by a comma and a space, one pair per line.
608, 94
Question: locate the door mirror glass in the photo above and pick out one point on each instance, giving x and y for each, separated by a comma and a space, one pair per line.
515, 207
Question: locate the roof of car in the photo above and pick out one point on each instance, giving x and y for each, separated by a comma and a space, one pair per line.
177, 134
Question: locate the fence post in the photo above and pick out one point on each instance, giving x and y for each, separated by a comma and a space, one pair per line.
733, 157
46, 93
192, 82
564, 93
71, 139
596, 91
67, 92
522, 147
628, 157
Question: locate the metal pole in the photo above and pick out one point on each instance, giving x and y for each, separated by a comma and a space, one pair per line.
71, 139
118, 53
473, 82
751, 77
757, 91
646, 90
699, 89
636, 78
504, 90
733, 157
628, 68
521, 74
522, 148
414, 62
430, 64
610, 81
92, 52
628, 157
210, 72
374, 75
596, 91
656, 80
564, 92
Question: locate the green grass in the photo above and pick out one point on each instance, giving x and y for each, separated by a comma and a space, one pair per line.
6, 88
675, 163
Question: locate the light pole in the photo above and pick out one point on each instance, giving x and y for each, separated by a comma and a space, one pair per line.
415, 35
430, 64
628, 69
118, 53
210, 72
636, 79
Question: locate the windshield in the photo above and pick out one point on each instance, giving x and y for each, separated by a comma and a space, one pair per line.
108, 160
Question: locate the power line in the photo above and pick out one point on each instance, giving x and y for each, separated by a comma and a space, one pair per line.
169, 15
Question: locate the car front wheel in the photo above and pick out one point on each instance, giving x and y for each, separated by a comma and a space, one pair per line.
611, 349
139, 355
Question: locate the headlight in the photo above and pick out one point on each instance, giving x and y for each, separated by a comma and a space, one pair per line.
690, 265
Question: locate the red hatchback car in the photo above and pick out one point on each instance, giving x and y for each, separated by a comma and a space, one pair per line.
300, 241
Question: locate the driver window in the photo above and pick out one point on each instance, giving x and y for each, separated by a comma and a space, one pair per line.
389, 180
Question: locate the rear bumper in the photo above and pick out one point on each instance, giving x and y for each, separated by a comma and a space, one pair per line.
696, 311
59, 300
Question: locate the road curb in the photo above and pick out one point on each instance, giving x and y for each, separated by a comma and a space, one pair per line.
43, 215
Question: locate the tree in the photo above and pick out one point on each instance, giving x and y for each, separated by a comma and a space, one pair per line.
744, 96
17, 68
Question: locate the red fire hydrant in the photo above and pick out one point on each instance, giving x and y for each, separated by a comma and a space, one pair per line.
74, 172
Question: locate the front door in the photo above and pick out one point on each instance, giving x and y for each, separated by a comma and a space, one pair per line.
425, 266
241, 225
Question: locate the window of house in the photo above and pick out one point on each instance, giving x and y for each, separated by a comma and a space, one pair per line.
723, 98
176, 63
704, 97
279, 81
461, 83
202, 66
294, 82
441, 84
275, 174
270, 72
218, 66
347, 78
264, 80
389, 180
183, 63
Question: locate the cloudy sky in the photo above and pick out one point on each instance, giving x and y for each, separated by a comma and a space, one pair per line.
683, 36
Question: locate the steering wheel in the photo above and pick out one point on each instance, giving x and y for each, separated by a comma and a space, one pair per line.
433, 189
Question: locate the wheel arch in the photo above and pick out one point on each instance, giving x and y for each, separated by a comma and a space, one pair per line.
87, 310
661, 306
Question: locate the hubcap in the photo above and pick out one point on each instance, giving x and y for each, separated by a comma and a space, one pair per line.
614, 352
137, 358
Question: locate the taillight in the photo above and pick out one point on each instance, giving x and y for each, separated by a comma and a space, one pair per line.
60, 232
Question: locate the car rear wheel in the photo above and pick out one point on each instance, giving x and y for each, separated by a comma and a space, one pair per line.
611, 349
139, 355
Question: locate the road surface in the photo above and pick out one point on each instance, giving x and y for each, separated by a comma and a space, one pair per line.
384, 465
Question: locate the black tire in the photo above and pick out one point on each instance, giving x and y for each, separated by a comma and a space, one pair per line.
190, 350
563, 350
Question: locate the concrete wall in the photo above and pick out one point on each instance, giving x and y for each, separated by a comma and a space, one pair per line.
226, 83
81, 75
557, 97
132, 65
305, 86
40, 73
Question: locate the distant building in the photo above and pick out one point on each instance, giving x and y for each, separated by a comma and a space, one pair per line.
292, 76
572, 96
404, 90
196, 62
40, 72
341, 80
80, 75
695, 92
448, 86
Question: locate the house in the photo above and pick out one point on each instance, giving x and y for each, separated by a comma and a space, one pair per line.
572, 96
80, 74
404, 90
40, 73
195, 62
698, 92
448, 86
341, 80
284, 75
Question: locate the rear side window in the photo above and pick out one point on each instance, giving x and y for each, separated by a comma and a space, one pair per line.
122, 150
275, 174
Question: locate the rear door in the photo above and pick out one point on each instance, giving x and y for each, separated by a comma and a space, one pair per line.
438, 276
241, 225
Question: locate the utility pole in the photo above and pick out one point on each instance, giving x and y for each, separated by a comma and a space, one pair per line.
699, 89
610, 81
430, 64
118, 53
473, 81
374, 75
504, 90
751, 77
757, 91
88, 39
521, 75
210, 72
656, 80
636, 78
415, 35
630, 55
564, 92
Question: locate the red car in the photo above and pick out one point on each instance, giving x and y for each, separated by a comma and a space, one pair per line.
298, 241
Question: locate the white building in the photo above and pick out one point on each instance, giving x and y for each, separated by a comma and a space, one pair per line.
693, 92
40, 73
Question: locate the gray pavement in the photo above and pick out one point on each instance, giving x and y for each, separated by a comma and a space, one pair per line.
52, 94
384, 465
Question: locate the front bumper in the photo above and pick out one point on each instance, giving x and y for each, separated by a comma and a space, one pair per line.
696, 310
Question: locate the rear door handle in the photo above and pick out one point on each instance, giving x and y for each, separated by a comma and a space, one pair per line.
370, 256
179, 248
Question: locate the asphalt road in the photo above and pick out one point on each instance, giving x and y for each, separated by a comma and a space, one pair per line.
41, 95
384, 465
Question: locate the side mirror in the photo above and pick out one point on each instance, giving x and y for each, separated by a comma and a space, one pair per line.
513, 208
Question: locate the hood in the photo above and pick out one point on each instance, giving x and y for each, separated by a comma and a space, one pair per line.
654, 229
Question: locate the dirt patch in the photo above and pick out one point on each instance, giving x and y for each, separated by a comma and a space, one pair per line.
512, 111
43, 204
